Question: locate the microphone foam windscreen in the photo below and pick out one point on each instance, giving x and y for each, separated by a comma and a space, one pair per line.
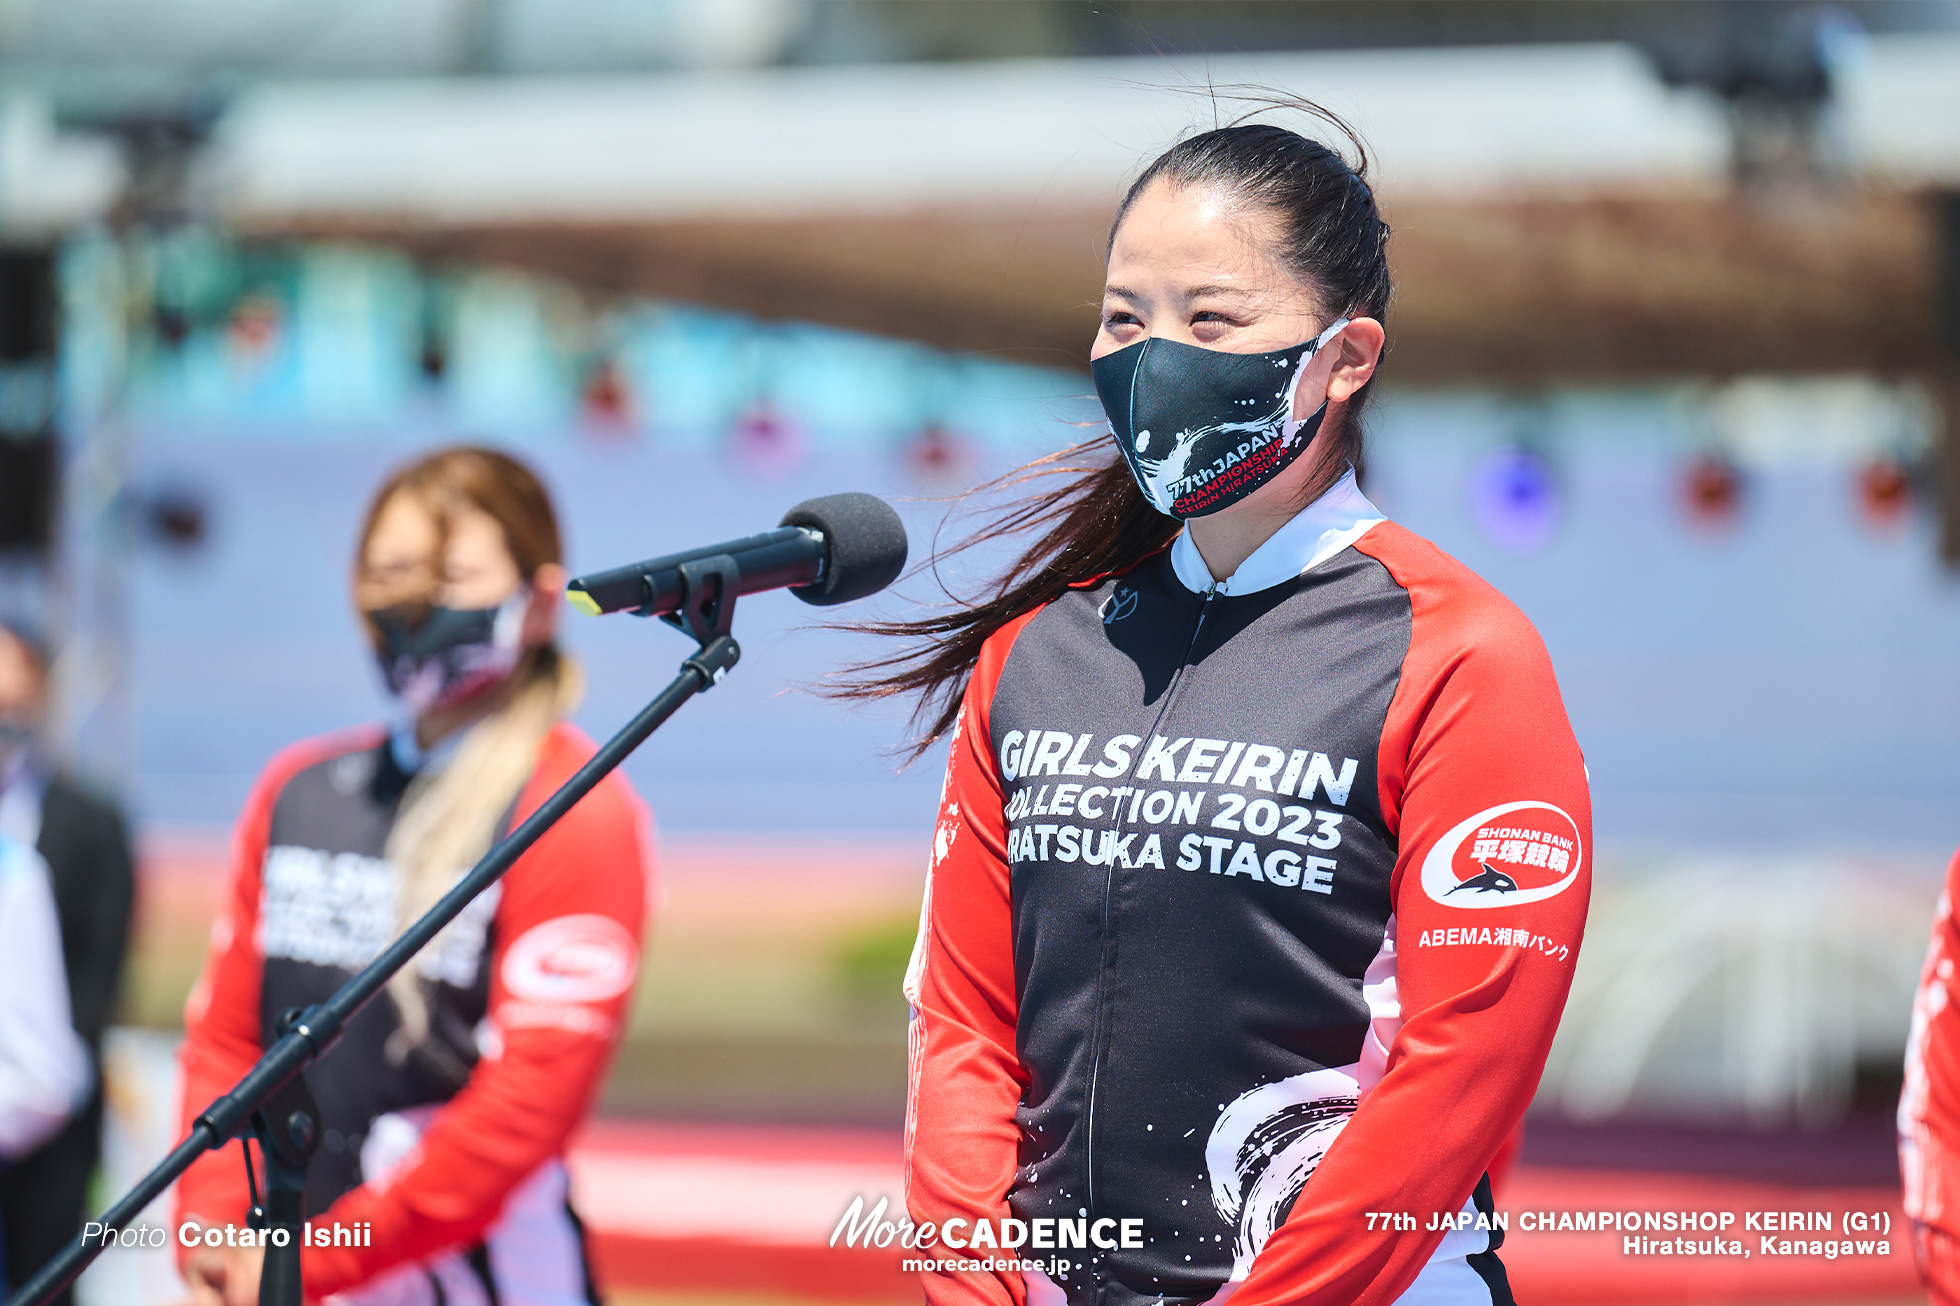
867, 545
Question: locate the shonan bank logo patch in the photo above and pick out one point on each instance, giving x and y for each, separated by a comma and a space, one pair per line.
1504, 856
585, 958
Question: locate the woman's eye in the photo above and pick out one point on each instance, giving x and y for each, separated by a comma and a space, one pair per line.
1120, 318
1207, 327
395, 577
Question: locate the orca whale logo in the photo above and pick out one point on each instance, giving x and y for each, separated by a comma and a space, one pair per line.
1539, 849
1491, 881
1120, 604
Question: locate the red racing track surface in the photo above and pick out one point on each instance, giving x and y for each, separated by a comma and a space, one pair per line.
751, 1209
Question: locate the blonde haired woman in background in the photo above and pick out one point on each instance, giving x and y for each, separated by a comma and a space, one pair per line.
446, 1108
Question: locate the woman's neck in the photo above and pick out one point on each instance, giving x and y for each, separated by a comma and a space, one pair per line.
1226, 539
431, 728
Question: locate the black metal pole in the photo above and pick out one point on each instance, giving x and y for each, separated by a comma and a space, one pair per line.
320, 1026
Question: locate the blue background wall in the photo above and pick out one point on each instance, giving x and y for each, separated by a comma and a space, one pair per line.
1784, 685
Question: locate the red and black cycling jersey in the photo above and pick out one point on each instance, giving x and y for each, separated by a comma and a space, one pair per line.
1252, 910
445, 1149
1929, 1107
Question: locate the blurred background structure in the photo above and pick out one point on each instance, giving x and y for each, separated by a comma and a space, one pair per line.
1674, 362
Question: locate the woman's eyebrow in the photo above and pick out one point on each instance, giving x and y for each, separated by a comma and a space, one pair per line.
1190, 292
1199, 292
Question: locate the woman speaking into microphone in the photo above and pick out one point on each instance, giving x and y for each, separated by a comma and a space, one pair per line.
446, 1107
1262, 862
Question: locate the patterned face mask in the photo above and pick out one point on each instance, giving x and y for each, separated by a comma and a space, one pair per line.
437, 657
1203, 428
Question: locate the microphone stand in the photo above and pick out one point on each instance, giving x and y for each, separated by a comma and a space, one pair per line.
273, 1098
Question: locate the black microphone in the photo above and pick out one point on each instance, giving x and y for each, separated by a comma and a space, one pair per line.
829, 550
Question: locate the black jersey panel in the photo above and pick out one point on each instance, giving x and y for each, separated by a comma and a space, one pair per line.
334, 805
329, 902
1200, 876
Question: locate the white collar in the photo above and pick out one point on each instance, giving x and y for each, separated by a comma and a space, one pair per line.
22, 786
1316, 533
410, 757
18, 768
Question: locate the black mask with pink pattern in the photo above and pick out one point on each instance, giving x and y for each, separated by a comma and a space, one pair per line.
434, 657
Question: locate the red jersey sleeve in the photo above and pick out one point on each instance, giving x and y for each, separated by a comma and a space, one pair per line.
1929, 1108
568, 930
1483, 786
965, 1080
221, 1018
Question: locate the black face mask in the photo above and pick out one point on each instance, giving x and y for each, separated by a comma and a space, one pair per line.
433, 657
1203, 428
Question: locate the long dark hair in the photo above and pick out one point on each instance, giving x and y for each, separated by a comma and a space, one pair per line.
1097, 521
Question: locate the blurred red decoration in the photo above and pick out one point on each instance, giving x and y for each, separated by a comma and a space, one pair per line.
253, 332
1884, 493
605, 398
765, 442
938, 456
1712, 492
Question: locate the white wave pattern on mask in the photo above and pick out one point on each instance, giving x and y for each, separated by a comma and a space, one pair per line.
450, 675
1169, 478
454, 674
1264, 1147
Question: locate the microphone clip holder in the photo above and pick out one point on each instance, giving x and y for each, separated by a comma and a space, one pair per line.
707, 607
707, 614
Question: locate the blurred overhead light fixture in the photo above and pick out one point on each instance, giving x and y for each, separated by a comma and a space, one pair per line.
160, 138
1771, 62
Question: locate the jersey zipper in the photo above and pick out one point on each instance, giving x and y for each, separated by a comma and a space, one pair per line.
1109, 875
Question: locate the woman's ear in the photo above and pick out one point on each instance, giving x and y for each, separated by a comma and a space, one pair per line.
1356, 351
1311, 386
541, 619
